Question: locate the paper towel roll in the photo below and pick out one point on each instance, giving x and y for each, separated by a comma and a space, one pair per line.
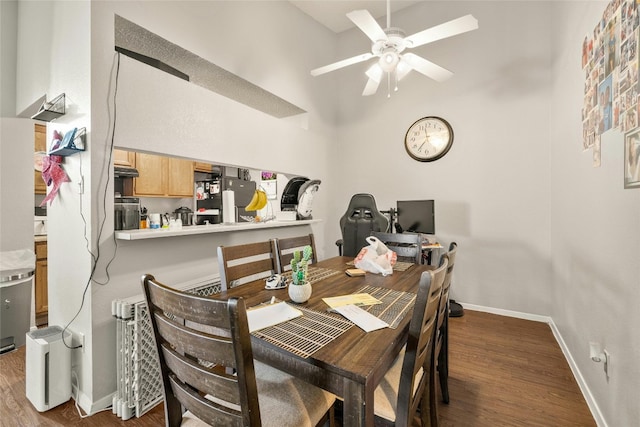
228, 207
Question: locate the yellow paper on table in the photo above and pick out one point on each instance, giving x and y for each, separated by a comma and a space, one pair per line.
351, 299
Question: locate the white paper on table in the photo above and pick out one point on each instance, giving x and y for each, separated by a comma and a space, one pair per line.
267, 315
363, 319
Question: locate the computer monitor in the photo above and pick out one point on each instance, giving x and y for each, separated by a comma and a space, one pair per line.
417, 216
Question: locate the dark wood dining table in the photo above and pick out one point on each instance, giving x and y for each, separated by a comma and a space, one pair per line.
352, 365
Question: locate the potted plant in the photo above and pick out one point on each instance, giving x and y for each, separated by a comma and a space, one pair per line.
300, 288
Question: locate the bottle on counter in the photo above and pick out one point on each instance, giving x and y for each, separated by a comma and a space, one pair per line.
143, 219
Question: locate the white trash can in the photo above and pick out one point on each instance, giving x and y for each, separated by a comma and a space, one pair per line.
16, 281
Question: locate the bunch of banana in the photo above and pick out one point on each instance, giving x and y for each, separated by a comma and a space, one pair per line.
258, 201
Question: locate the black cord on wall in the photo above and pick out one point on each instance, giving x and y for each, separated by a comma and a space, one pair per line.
96, 257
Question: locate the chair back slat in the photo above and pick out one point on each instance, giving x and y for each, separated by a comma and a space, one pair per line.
215, 349
190, 307
243, 263
247, 271
199, 340
287, 246
206, 410
418, 357
210, 380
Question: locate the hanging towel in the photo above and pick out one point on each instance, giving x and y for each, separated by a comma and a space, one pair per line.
52, 173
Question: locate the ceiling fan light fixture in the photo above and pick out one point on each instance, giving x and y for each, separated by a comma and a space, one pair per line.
388, 60
389, 46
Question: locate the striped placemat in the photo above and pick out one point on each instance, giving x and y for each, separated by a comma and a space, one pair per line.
313, 330
306, 334
395, 304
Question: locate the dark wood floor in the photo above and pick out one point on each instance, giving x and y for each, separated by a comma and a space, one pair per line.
503, 372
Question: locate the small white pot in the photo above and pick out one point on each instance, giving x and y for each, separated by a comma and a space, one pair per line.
300, 293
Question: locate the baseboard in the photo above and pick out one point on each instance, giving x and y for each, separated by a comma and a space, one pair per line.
87, 406
586, 392
507, 313
584, 388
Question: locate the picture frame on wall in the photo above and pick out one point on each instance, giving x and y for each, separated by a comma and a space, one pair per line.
632, 159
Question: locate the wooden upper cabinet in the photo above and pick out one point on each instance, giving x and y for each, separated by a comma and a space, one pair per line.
161, 176
150, 181
202, 167
179, 178
40, 144
124, 158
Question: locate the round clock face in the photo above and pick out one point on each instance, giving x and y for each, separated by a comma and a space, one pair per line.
428, 139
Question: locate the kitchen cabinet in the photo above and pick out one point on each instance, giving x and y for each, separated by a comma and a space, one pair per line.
41, 296
40, 144
124, 158
161, 176
202, 167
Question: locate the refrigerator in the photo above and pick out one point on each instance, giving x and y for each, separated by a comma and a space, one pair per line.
209, 201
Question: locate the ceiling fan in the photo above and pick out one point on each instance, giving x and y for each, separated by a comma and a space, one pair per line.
389, 44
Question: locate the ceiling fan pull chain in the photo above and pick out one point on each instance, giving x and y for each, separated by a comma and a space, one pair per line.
395, 77
388, 85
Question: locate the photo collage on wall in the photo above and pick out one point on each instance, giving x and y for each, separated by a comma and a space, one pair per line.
611, 89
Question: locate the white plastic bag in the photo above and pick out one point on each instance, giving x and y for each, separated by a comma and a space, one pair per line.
376, 258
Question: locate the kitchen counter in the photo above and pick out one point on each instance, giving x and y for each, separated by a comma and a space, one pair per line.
205, 229
40, 237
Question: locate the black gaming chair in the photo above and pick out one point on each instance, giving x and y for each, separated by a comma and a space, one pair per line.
361, 218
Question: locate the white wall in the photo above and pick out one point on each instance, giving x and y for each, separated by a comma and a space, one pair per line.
53, 58
540, 230
491, 189
8, 54
515, 191
595, 229
157, 112
16, 184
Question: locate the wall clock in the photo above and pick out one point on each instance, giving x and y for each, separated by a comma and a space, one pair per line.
428, 139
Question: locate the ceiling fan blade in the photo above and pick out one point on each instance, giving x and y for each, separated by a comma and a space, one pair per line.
447, 29
402, 69
375, 72
368, 25
371, 87
427, 68
341, 64
375, 77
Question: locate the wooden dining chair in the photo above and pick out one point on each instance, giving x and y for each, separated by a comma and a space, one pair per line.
210, 378
408, 246
287, 246
243, 263
441, 352
406, 385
